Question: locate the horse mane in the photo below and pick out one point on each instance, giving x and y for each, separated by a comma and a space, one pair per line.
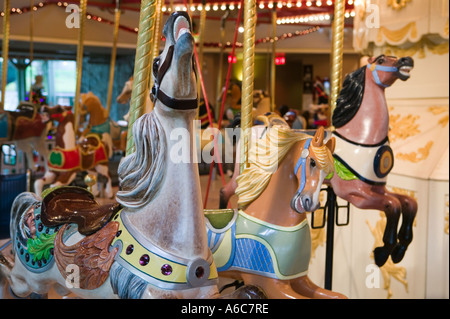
350, 97
264, 156
141, 173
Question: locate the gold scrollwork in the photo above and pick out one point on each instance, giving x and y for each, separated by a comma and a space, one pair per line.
398, 36
400, 128
397, 4
440, 110
415, 157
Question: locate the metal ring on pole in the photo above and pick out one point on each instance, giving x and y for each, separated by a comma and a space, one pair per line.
82, 13
113, 56
142, 66
5, 49
248, 66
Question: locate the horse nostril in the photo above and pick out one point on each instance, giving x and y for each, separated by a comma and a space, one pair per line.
307, 202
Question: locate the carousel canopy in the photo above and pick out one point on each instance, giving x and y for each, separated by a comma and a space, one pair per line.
302, 26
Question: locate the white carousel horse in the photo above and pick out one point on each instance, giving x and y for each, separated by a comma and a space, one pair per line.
152, 245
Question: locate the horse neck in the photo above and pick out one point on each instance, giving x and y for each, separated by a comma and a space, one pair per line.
274, 203
65, 134
370, 125
174, 219
97, 116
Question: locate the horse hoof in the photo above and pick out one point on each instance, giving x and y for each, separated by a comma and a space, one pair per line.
381, 255
398, 253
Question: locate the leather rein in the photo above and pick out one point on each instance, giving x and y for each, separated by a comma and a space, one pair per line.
158, 94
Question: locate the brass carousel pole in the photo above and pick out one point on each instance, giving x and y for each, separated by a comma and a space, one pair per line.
30, 94
113, 55
248, 66
83, 4
142, 66
272, 64
5, 49
336, 75
158, 27
337, 51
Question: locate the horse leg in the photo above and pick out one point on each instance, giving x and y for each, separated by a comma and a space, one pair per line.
365, 196
405, 234
304, 286
48, 178
64, 179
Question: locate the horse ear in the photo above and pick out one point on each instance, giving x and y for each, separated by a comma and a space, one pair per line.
331, 144
318, 137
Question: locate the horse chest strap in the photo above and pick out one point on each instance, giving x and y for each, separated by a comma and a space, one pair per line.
158, 267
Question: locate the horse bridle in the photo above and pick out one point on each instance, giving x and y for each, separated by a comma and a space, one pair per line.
158, 94
376, 67
301, 164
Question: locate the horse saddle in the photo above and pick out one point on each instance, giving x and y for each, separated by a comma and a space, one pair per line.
26, 122
221, 233
71, 204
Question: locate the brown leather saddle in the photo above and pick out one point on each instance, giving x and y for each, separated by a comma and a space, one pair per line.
69, 204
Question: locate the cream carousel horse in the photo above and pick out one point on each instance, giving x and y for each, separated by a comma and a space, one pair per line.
69, 156
27, 128
267, 242
100, 122
152, 245
125, 96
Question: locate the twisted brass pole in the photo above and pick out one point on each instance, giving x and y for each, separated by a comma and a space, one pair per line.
272, 63
142, 66
337, 51
113, 56
248, 66
158, 27
30, 93
5, 49
83, 4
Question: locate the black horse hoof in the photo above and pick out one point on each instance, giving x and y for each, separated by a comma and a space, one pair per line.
398, 253
381, 255
247, 292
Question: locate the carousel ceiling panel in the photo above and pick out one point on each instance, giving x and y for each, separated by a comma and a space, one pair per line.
310, 35
419, 138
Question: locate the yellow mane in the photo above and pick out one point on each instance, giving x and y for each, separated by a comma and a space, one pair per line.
266, 153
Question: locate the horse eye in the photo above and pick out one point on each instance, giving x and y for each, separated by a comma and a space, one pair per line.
380, 61
313, 163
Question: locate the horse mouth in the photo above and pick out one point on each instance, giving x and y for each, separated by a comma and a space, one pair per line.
405, 71
180, 27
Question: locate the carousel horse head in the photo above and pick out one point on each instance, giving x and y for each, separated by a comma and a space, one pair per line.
57, 112
387, 69
91, 104
125, 95
308, 160
175, 85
